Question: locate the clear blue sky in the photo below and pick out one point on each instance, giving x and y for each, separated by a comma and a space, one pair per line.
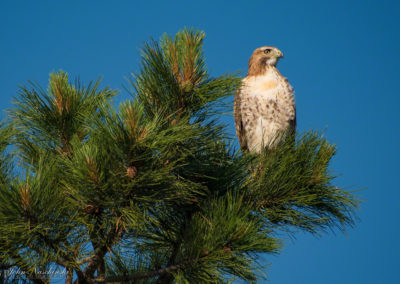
342, 57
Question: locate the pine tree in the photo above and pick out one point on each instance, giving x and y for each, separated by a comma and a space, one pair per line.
152, 191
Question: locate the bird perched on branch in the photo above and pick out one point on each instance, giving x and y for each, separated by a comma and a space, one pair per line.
264, 105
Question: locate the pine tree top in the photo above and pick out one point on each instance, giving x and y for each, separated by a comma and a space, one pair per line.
152, 191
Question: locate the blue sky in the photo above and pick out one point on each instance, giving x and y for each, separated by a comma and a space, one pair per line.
342, 58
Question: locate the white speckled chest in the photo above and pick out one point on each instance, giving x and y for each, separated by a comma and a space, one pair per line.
267, 107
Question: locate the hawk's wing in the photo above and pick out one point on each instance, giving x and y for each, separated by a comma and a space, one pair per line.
237, 114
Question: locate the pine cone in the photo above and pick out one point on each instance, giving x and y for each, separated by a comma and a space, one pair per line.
131, 171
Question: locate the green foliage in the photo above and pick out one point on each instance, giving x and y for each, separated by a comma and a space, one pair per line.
292, 186
151, 191
47, 120
174, 78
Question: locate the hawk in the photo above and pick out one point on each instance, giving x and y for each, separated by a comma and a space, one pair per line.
264, 105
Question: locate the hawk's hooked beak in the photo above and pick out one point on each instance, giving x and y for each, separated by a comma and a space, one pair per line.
280, 54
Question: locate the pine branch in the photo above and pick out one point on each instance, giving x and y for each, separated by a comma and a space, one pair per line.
291, 186
167, 277
69, 276
85, 259
143, 275
97, 261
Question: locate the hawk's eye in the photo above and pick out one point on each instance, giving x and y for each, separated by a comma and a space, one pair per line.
266, 51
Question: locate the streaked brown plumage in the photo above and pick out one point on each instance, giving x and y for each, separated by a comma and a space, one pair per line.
264, 105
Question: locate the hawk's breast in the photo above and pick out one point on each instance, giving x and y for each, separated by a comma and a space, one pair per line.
267, 108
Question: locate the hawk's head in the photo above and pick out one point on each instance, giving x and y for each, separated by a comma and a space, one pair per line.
263, 56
